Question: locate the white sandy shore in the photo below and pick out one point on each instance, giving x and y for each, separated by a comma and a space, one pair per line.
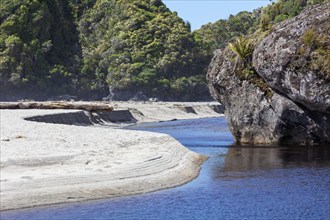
44, 163
166, 111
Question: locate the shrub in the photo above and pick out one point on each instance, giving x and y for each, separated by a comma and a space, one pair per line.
265, 22
310, 38
243, 48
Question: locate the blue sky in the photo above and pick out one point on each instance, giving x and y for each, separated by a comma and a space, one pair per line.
199, 12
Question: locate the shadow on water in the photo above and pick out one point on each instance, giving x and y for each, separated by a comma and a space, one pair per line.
244, 159
235, 183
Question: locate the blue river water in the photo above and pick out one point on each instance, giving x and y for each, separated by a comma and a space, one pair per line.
235, 183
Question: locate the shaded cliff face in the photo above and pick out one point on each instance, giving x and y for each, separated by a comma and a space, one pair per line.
286, 99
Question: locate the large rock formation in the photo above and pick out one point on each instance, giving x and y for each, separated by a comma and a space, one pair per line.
287, 98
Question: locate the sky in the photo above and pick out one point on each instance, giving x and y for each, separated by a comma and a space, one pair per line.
199, 12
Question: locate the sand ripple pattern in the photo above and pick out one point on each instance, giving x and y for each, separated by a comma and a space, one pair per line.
43, 163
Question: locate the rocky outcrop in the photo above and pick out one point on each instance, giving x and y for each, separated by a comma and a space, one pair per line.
288, 53
287, 98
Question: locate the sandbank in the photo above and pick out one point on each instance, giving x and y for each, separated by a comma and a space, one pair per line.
50, 163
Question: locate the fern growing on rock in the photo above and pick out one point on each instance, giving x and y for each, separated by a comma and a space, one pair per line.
243, 48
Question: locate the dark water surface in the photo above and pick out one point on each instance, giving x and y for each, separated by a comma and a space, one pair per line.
235, 183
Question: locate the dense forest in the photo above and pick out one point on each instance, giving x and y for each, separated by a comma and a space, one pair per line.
85, 47
217, 35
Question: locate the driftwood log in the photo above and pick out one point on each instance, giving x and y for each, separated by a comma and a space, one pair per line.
57, 105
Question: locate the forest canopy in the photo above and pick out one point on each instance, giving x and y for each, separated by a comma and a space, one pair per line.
85, 47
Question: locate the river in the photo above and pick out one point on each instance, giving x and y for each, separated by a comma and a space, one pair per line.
234, 183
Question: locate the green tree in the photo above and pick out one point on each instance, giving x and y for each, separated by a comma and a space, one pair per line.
38, 49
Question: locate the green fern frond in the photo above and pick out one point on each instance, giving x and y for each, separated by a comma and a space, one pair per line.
242, 47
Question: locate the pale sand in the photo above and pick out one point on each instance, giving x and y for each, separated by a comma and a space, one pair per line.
166, 111
44, 163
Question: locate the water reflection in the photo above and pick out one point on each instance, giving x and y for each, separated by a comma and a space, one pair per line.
243, 162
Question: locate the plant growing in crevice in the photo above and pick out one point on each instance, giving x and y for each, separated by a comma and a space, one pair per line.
319, 50
310, 38
314, 51
243, 48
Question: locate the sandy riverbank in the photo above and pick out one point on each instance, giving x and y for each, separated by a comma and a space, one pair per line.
166, 111
47, 163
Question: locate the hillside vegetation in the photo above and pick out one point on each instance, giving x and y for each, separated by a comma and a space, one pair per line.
39, 47
217, 35
141, 46
85, 47
50, 47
